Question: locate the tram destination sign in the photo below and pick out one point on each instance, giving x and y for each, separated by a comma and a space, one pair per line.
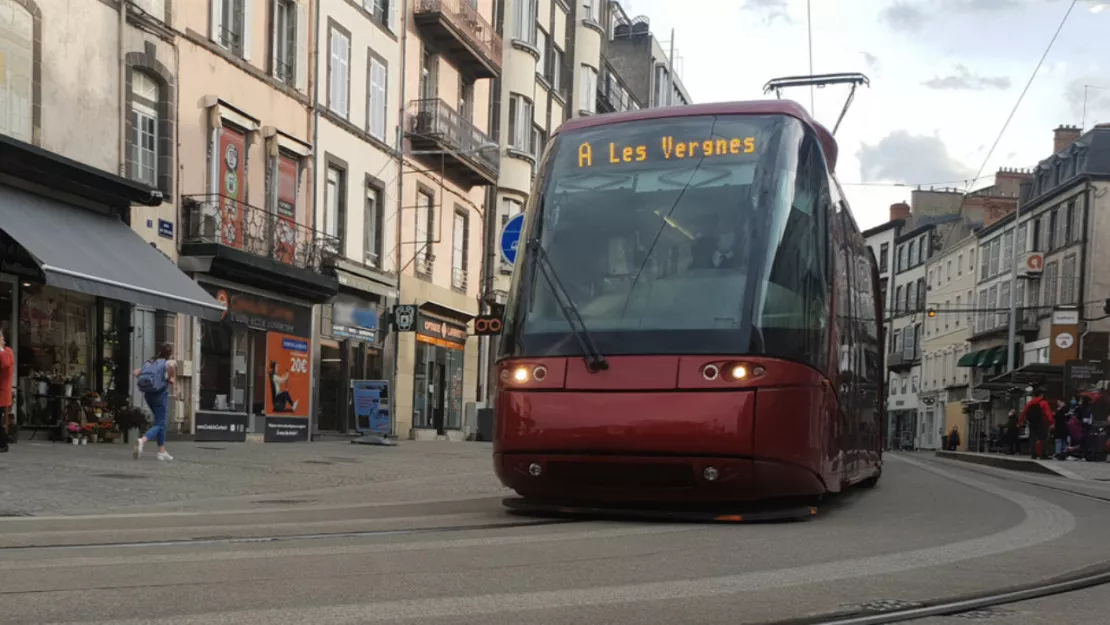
668, 148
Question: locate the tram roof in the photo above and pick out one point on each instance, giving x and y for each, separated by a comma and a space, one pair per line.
747, 107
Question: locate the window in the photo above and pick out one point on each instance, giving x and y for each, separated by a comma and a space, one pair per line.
884, 251
957, 315
1076, 227
335, 202
520, 123
229, 20
555, 69
143, 164
459, 249
587, 98
1023, 237
662, 80
153, 8
1048, 291
970, 305
377, 103
1003, 317
1067, 281
948, 270
524, 21
17, 33
981, 316
898, 298
994, 251
425, 225
285, 41
466, 99
541, 45
1061, 219
960, 265
384, 12
591, 10
920, 294
372, 227
913, 253
339, 70
539, 139
947, 307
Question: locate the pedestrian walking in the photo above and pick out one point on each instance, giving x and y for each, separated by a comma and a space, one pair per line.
7, 374
1038, 415
154, 379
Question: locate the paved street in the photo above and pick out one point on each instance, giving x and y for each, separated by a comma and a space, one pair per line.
932, 529
45, 478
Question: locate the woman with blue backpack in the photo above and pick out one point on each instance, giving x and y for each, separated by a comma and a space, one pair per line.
154, 380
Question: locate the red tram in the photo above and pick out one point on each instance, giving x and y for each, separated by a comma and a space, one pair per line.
694, 315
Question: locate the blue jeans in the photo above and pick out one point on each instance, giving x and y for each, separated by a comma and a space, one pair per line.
158, 402
1061, 444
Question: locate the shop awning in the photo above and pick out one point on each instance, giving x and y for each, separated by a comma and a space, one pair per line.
987, 356
969, 359
1001, 356
81, 250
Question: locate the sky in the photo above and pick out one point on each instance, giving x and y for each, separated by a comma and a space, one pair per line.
944, 75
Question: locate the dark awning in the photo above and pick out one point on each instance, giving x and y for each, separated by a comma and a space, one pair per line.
968, 360
80, 250
986, 357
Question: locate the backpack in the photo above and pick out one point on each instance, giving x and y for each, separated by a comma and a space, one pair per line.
152, 377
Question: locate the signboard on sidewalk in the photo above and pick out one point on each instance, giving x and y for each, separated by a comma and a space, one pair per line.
1091, 379
371, 399
225, 427
287, 377
285, 430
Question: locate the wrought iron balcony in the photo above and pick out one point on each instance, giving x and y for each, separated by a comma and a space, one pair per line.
455, 28
434, 126
227, 222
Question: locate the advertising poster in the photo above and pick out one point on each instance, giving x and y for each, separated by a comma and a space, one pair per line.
286, 244
371, 399
232, 185
287, 375
1090, 379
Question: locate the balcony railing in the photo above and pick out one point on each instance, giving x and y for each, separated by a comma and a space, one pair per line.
464, 24
226, 221
434, 124
458, 279
998, 321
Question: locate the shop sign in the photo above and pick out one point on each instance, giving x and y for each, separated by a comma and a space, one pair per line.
287, 375
440, 332
262, 313
221, 426
354, 322
285, 430
371, 399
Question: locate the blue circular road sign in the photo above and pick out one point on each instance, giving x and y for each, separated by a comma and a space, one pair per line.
510, 238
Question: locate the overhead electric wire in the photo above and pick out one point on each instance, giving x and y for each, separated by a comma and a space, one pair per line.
1021, 97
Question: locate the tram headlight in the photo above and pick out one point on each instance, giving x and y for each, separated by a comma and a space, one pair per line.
738, 372
520, 375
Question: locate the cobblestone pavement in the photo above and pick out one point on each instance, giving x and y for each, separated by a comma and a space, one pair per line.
52, 478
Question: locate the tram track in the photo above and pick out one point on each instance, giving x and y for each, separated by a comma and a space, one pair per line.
1074, 581
235, 540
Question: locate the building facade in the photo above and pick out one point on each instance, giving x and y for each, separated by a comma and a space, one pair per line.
249, 233
88, 285
357, 117
912, 251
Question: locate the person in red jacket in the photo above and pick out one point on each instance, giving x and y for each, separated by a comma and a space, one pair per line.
1038, 414
7, 374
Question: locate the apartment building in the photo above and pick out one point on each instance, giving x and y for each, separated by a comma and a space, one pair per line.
88, 215
450, 163
912, 251
357, 175
250, 233
949, 283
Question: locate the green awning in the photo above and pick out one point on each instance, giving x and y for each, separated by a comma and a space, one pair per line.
1000, 356
968, 359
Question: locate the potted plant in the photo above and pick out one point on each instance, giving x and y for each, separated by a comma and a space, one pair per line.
73, 432
130, 418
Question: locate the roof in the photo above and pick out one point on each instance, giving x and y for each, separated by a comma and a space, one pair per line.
748, 107
893, 223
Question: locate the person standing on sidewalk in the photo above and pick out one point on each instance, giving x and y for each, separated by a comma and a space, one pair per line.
7, 374
154, 379
1060, 426
1038, 415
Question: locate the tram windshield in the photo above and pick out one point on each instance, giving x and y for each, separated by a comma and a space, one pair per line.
703, 234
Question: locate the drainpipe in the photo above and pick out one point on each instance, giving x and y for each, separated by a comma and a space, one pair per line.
314, 90
122, 90
400, 154
1088, 191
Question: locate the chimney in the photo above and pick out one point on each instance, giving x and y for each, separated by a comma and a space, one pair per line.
1064, 136
900, 210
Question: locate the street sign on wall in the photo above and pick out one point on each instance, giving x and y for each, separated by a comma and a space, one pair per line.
510, 238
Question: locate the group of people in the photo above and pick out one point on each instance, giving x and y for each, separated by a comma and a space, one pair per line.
1064, 431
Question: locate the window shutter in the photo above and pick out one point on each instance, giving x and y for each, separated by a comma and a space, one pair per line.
274, 37
393, 15
215, 19
302, 47
248, 29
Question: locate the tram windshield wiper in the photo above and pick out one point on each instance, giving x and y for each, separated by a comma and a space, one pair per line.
595, 361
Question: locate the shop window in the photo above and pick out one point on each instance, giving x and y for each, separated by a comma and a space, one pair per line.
20, 54
437, 388
223, 367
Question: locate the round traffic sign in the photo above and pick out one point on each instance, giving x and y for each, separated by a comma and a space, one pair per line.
510, 238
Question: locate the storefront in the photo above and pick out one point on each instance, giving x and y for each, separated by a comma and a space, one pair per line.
255, 373
438, 374
72, 275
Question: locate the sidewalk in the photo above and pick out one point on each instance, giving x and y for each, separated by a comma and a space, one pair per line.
1073, 470
51, 478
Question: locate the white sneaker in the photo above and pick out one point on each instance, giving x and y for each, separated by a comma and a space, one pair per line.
164, 456
137, 450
